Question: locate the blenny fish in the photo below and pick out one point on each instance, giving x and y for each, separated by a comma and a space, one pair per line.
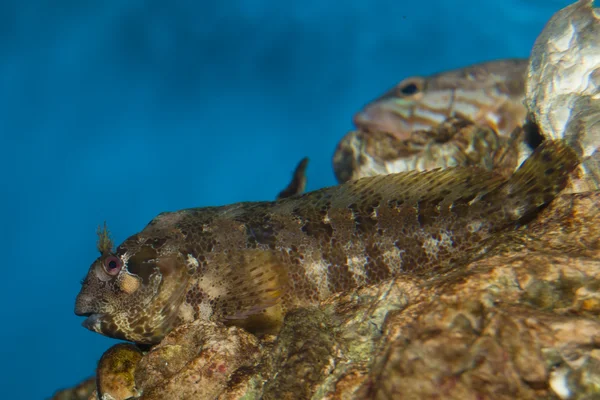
407, 118
247, 264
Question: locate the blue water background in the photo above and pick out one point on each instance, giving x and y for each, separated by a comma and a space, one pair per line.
118, 110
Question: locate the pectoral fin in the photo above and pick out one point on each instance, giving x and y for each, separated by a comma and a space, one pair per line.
252, 282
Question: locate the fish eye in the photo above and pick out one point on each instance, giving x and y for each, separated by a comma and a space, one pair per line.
112, 265
408, 88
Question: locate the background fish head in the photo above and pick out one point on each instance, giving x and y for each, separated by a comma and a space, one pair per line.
488, 93
398, 110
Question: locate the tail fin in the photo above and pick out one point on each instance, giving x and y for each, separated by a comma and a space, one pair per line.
538, 181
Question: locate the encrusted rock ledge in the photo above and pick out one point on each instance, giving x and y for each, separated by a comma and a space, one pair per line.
520, 322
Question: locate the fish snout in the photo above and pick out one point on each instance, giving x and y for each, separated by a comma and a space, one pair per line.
383, 117
84, 305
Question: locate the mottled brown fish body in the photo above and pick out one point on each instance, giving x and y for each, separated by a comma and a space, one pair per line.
239, 262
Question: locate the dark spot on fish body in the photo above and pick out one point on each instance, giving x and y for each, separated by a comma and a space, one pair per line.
194, 297
429, 212
156, 242
297, 212
421, 214
339, 278
261, 230
532, 191
413, 256
376, 269
364, 225
444, 193
333, 242
371, 208
324, 215
420, 261
142, 263
111, 327
395, 203
334, 256
368, 193
251, 240
547, 156
321, 230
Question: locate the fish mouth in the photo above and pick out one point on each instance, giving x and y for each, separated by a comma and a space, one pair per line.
81, 313
383, 119
84, 306
93, 320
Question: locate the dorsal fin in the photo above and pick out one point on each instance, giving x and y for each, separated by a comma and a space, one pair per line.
448, 185
298, 182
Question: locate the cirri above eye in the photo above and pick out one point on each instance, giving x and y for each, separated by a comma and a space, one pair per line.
112, 265
409, 88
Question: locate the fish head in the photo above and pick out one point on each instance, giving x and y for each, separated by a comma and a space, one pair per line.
397, 110
133, 293
489, 93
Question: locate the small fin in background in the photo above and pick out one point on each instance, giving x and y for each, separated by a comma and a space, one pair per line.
538, 181
298, 183
253, 281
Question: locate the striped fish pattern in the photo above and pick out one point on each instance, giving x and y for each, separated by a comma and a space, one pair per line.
408, 118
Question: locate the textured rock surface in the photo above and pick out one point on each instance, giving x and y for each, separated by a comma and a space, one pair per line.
197, 361
563, 85
520, 322
115, 375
